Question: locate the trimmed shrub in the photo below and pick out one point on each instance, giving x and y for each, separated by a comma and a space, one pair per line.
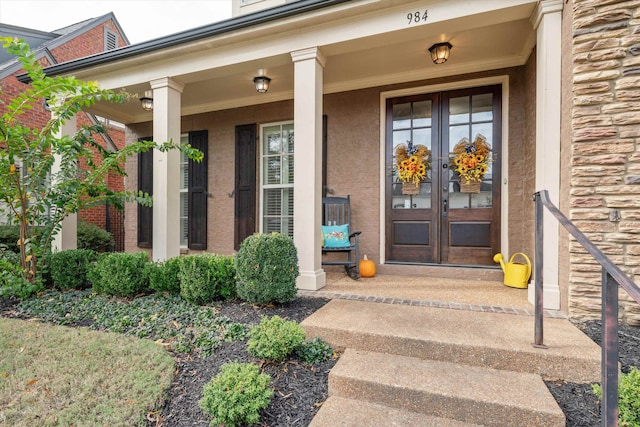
274, 338
119, 273
236, 395
267, 269
313, 351
205, 278
90, 236
163, 276
69, 268
628, 397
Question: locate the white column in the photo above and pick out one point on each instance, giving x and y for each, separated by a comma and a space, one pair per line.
166, 169
307, 187
547, 20
67, 237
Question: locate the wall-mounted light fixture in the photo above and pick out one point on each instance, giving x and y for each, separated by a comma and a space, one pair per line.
147, 100
440, 52
262, 82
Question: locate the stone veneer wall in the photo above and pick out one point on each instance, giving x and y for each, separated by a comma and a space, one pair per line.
605, 151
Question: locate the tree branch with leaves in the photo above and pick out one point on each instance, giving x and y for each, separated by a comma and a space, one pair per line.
38, 196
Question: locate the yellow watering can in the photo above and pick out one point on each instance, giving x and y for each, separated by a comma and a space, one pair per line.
516, 275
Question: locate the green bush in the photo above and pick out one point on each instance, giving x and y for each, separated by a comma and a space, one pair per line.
205, 278
13, 284
628, 398
69, 268
163, 276
313, 351
267, 269
90, 236
274, 338
9, 236
119, 273
236, 395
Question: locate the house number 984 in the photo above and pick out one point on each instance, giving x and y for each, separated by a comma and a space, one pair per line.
416, 17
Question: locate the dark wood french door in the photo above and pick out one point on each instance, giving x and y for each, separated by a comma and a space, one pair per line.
443, 224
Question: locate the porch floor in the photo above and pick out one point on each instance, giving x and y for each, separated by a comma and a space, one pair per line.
463, 294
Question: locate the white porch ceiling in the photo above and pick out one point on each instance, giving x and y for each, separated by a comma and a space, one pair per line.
486, 40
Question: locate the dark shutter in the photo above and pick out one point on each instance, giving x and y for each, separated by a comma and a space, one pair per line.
245, 185
198, 176
145, 184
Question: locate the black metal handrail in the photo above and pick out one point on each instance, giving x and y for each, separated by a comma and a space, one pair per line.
612, 276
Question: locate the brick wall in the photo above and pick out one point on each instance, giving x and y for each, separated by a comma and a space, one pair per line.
605, 155
353, 159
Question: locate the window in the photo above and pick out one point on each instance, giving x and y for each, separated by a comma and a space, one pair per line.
184, 194
276, 179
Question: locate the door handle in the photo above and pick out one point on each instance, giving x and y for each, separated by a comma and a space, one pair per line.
444, 207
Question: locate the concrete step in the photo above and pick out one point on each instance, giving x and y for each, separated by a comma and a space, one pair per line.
492, 340
343, 412
447, 390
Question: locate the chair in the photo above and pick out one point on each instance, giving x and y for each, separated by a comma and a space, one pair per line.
337, 235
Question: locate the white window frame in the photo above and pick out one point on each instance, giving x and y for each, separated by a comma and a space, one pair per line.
264, 186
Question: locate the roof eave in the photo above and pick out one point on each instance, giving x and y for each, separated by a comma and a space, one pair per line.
233, 24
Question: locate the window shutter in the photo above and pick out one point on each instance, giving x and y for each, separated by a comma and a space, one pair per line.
145, 184
245, 187
198, 175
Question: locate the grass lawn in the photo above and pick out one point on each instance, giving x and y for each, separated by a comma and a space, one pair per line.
55, 375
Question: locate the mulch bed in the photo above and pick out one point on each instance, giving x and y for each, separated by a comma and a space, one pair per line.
578, 402
299, 390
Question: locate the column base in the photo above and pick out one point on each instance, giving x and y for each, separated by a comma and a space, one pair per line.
550, 295
311, 280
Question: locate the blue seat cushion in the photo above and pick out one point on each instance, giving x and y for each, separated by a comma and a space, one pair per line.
336, 236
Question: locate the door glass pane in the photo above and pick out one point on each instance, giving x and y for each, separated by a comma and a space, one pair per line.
422, 113
458, 200
456, 134
484, 129
422, 137
401, 116
401, 137
482, 107
459, 110
483, 199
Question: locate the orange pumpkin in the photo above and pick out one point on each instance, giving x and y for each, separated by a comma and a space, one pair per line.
367, 267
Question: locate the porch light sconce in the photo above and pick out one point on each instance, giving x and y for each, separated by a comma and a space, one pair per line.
147, 100
440, 52
262, 83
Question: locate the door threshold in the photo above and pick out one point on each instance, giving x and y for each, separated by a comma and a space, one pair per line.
494, 267
468, 272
